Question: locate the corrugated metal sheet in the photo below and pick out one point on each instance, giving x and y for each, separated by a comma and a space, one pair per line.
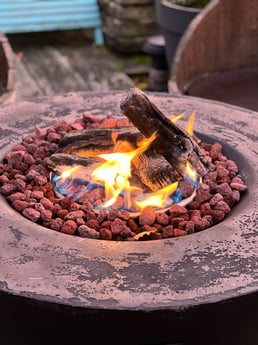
44, 15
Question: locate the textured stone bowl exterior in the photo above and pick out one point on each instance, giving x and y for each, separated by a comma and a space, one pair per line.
200, 289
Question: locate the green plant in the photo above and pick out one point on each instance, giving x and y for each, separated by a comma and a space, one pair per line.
190, 3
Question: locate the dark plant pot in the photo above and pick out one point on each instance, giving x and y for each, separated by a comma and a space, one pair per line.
173, 21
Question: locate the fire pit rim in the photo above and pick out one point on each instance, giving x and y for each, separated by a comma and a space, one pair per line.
75, 297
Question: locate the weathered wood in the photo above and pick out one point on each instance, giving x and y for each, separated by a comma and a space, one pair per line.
82, 148
172, 141
100, 137
50, 15
58, 161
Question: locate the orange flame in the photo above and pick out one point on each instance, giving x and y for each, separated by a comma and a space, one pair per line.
190, 172
158, 198
116, 171
190, 124
175, 118
68, 173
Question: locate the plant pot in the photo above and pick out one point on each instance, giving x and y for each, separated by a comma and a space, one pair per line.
173, 21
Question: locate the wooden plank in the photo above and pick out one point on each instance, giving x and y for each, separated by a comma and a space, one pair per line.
48, 15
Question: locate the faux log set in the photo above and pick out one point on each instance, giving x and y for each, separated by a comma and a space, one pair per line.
158, 166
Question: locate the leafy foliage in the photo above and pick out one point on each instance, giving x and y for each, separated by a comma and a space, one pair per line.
190, 3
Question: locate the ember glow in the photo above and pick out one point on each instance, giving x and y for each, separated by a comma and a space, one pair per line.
111, 179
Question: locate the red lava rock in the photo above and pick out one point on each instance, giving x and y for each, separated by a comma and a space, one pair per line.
236, 195
222, 172
215, 199
201, 223
206, 147
112, 215
32, 174
167, 231
74, 207
223, 206
218, 215
56, 224
91, 215
92, 223
37, 205
41, 180
225, 190
179, 232
118, 225
47, 203
162, 218
105, 234
39, 153
147, 216
203, 196
186, 188
8, 188
19, 205
16, 196
76, 126
102, 215
189, 227
62, 213
80, 221
203, 207
175, 221
203, 187
109, 121
237, 179
123, 122
20, 177
89, 118
41, 133
159, 227
194, 205
15, 157
177, 211
132, 225
74, 215
85, 231
4, 179
238, 186
46, 215
31, 214
37, 195
69, 227
106, 224
66, 202
28, 159
126, 232
232, 168
125, 215
194, 213
155, 236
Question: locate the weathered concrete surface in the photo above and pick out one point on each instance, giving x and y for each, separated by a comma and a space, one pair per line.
171, 278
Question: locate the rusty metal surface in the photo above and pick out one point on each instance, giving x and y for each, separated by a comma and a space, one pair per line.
177, 273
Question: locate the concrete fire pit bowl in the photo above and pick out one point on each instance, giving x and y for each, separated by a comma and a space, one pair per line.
196, 289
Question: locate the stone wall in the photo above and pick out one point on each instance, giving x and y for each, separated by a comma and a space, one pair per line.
128, 23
